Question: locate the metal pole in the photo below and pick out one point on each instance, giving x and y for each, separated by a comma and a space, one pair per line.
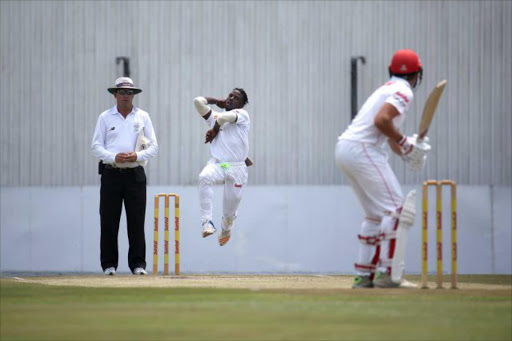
353, 83
126, 65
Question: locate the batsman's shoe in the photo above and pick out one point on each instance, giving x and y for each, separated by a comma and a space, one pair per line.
362, 282
208, 228
139, 271
407, 285
383, 280
224, 237
110, 271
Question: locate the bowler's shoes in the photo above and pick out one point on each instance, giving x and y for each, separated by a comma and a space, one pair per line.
224, 237
383, 280
208, 228
110, 271
139, 271
362, 282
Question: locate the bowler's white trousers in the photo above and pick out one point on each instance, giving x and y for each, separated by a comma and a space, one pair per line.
234, 179
379, 193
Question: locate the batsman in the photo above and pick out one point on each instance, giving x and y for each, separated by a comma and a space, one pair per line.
361, 156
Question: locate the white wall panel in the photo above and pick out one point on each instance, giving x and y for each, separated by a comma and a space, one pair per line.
279, 229
293, 58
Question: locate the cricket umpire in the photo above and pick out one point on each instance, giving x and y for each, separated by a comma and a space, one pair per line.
118, 132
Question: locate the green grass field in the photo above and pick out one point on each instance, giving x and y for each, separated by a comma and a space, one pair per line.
45, 312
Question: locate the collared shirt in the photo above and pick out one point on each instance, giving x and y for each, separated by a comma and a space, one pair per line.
114, 134
397, 92
232, 141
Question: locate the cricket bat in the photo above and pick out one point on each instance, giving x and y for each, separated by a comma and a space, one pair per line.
430, 108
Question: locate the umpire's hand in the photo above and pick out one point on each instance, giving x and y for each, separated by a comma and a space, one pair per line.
126, 157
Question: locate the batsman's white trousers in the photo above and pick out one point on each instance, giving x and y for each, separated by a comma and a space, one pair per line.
379, 193
234, 179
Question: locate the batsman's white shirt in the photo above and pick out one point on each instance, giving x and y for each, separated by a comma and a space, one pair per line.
396, 92
360, 150
232, 141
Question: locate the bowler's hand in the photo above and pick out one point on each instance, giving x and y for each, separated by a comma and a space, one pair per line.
210, 135
221, 103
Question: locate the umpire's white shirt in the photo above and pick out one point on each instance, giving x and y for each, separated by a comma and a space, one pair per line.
397, 92
114, 134
232, 142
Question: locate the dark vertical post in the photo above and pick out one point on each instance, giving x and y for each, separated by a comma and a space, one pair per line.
353, 83
126, 65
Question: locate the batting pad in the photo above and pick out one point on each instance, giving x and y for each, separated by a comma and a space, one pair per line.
404, 224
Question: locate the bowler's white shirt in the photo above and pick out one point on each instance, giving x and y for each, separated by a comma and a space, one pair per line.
397, 92
232, 142
114, 134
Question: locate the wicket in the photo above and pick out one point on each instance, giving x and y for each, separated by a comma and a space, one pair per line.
166, 234
439, 207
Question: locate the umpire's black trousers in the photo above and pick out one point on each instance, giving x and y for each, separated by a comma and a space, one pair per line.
118, 185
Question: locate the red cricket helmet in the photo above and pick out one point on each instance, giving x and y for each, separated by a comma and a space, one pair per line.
405, 62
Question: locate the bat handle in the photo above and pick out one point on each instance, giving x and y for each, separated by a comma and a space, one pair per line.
421, 136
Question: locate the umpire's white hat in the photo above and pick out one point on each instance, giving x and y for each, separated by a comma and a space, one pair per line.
124, 83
